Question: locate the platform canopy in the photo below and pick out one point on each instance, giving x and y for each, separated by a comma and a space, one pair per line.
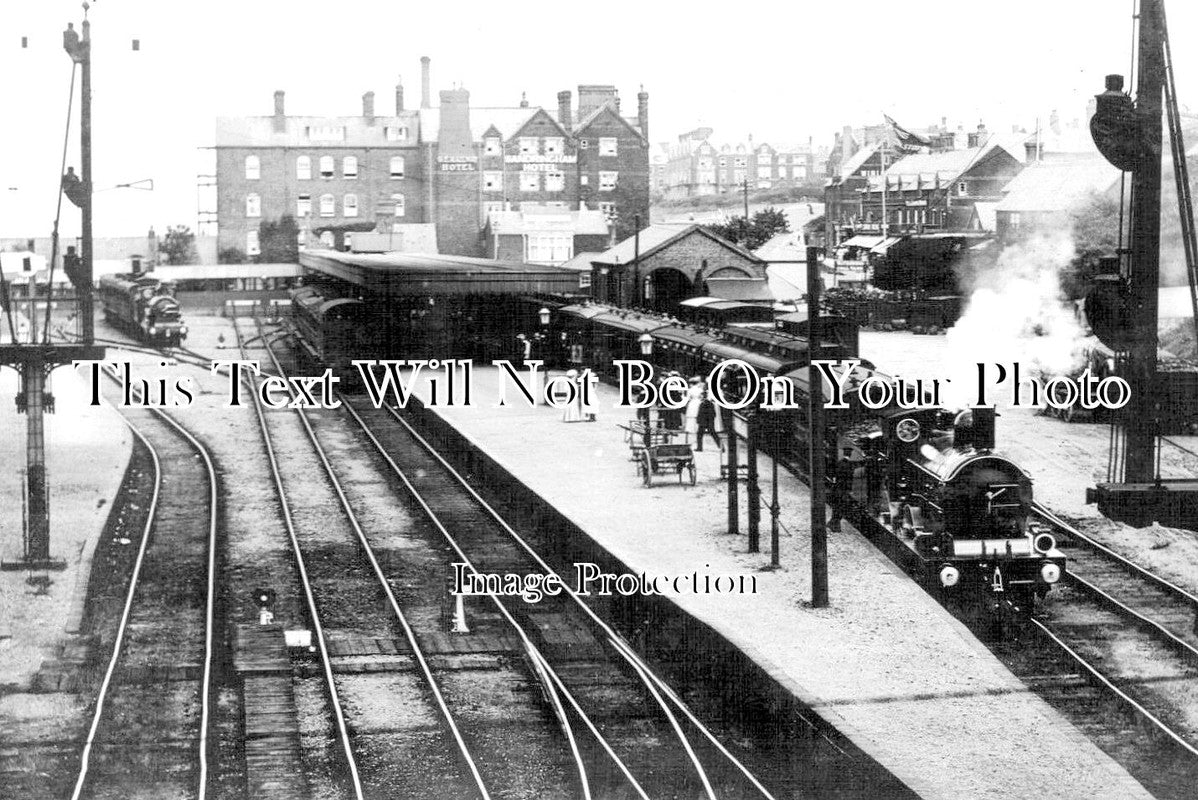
424, 275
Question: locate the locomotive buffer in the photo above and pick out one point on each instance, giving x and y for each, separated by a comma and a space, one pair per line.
29, 351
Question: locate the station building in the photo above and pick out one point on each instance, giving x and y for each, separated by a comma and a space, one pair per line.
450, 166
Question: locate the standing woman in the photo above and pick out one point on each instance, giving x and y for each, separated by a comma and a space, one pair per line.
573, 411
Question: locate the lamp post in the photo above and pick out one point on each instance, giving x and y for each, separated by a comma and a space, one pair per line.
754, 488
646, 343
733, 467
775, 509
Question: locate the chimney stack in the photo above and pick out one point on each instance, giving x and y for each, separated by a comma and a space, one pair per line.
523, 99
368, 107
280, 120
642, 111
425, 91
563, 109
399, 96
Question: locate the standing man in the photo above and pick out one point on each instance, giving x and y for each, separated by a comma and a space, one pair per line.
842, 486
705, 423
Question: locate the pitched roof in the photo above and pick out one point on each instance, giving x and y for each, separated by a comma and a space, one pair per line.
581, 261
857, 160
947, 165
1057, 185
608, 107
655, 237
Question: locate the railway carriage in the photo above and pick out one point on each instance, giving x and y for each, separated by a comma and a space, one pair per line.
331, 332
144, 307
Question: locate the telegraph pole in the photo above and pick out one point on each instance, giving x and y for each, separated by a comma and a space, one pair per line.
819, 531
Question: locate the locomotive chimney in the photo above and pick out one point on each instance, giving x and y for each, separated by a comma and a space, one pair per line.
983, 428
975, 428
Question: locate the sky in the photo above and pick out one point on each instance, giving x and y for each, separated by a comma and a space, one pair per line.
780, 71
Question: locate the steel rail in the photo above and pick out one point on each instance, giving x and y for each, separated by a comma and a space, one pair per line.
206, 679
334, 695
409, 633
1113, 689
626, 652
1123, 561
503, 610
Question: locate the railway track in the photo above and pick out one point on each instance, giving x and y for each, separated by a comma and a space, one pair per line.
150, 719
1076, 657
629, 733
407, 645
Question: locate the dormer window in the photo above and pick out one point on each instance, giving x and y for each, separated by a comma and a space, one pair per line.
528, 145
492, 146
607, 146
554, 145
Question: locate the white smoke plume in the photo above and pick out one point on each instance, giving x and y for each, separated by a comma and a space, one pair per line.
1016, 312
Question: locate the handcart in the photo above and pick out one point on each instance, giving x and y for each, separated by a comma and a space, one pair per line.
662, 459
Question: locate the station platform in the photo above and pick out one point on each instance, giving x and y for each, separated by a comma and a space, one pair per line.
884, 664
87, 451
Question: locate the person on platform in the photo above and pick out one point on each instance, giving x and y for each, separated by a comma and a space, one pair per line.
694, 395
842, 486
573, 411
705, 423
523, 350
671, 417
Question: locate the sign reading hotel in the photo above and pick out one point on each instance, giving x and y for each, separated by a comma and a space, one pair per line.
547, 158
458, 163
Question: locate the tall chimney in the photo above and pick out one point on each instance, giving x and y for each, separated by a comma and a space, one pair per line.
368, 107
280, 120
642, 111
399, 96
424, 82
563, 110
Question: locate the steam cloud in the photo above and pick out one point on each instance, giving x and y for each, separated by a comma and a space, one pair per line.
1016, 313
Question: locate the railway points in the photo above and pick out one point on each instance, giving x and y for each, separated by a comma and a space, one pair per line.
885, 706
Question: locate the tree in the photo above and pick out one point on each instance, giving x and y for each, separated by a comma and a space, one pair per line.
753, 233
231, 255
278, 241
1095, 228
177, 245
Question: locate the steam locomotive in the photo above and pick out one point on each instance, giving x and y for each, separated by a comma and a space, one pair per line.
143, 306
957, 512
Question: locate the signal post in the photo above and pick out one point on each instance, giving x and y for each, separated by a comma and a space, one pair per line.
34, 357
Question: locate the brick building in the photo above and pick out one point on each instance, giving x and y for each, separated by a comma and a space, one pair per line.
449, 166
697, 166
669, 263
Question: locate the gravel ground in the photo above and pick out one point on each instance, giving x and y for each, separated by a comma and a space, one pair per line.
884, 663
